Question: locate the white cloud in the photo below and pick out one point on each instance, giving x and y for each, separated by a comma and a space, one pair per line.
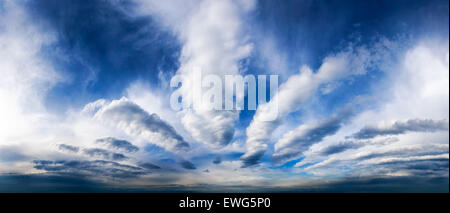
214, 40
296, 91
297, 141
26, 75
413, 106
133, 120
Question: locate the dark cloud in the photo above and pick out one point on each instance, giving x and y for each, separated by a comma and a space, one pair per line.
118, 144
307, 135
423, 167
416, 125
70, 148
99, 168
105, 154
118, 156
253, 159
217, 160
432, 168
340, 147
149, 166
97, 152
187, 165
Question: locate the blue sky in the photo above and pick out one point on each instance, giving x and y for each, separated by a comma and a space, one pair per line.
363, 92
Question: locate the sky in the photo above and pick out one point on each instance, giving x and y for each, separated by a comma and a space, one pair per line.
363, 96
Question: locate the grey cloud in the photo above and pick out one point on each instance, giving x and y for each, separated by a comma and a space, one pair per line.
409, 151
439, 167
118, 157
252, 159
294, 143
118, 144
402, 154
341, 147
134, 120
187, 165
436, 164
149, 166
414, 125
96, 152
217, 160
94, 168
70, 148
421, 165
352, 144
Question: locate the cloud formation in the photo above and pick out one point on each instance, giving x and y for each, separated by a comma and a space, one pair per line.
187, 165
217, 160
53, 63
105, 154
114, 143
70, 148
399, 127
341, 147
133, 120
92, 168
213, 45
293, 93
297, 141
149, 166
27, 75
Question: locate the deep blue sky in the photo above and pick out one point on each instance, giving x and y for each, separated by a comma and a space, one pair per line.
103, 48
